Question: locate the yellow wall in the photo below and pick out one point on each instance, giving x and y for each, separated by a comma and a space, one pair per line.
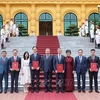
57, 8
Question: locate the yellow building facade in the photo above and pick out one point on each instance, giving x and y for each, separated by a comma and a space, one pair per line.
56, 8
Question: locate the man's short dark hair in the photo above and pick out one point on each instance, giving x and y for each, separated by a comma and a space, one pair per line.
15, 50
92, 49
80, 50
4, 52
34, 47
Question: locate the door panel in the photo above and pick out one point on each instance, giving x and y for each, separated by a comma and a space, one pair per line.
45, 28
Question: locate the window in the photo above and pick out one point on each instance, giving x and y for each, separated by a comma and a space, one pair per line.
1, 21
69, 19
45, 17
92, 17
21, 18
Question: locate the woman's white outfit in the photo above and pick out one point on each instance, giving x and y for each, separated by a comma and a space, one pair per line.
25, 78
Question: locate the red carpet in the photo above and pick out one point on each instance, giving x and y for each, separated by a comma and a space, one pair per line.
50, 96
51, 42
44, 42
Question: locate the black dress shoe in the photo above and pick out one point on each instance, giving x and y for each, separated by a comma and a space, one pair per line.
16, 91
46, 91
83, 91
57, 91
97, 91
0, 92
37, 90
79, 91
90, 91
11, 91
32, 91
5, 92
50, 90
62, 91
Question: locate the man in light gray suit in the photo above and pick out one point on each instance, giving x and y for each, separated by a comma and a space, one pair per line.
4, 70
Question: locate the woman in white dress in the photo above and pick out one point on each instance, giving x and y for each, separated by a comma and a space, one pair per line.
25, 72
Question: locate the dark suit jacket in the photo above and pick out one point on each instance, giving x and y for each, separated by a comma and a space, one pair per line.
38, 58
17, 60
81, 66
4, 66
56, 61
47, 64
96, 60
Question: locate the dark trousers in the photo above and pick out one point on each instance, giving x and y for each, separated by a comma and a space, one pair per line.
14, 77
48, 80
33, 73
59, 81
92, 40
95, 76
83, 80
5, 76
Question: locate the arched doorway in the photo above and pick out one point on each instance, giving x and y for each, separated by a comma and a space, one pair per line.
1, 21
45, 24
21, 18
93, 17
69, 19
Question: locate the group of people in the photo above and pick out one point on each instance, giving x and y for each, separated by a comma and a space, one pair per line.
85, 31
7, 30
64, 68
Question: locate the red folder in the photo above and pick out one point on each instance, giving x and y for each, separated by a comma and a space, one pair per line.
59, 68
93, 66
15, 65
35, 64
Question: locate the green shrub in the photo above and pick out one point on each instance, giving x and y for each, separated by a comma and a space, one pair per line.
72, 30
22, 30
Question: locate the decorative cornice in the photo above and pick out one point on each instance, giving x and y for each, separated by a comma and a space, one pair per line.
49, 1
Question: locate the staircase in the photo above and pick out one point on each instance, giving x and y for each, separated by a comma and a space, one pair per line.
44, 42
23, 44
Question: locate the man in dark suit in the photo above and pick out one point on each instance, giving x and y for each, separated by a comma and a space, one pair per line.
81, 68
59, 59
14, 73
47, 67
35, 57
4, 70
93, 59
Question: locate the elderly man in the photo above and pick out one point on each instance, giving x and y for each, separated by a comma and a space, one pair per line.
59, 62
15, 66
47, 67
